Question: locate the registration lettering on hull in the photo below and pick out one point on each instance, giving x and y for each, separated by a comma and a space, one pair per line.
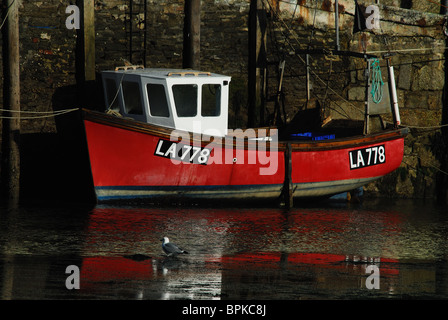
367, 157
182, 152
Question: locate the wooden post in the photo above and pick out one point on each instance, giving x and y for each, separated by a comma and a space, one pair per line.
287, 184
88, 29
131, 36
10, 169
443, 7
192, 35
442, 179
85, 43
257, 62
85, 53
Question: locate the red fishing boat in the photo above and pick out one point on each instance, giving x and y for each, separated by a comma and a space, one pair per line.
165, 135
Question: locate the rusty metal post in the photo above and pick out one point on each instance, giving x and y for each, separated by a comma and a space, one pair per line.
10, 168
192, 35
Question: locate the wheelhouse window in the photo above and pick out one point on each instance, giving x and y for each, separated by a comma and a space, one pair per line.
211, 100
186, 99
132, 97
158, 105
112, 95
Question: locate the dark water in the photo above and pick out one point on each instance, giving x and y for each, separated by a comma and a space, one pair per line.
323, 251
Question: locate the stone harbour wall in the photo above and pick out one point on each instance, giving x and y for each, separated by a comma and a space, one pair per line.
414, 30
418, 42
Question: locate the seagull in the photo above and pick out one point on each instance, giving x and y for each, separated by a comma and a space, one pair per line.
170, 248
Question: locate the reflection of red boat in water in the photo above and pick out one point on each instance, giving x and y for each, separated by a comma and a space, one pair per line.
166, 136
233, 276
216, 269
105, 269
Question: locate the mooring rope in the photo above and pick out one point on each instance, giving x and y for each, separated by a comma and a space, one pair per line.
377, 81
37, 114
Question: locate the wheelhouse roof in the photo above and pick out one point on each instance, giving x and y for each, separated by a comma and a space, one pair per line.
160, 73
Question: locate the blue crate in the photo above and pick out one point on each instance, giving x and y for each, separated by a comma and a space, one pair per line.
312, 136
324, 137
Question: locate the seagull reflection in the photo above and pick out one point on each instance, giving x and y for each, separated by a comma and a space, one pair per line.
169, 264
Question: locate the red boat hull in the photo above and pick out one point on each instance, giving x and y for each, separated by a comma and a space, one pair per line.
128, 162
